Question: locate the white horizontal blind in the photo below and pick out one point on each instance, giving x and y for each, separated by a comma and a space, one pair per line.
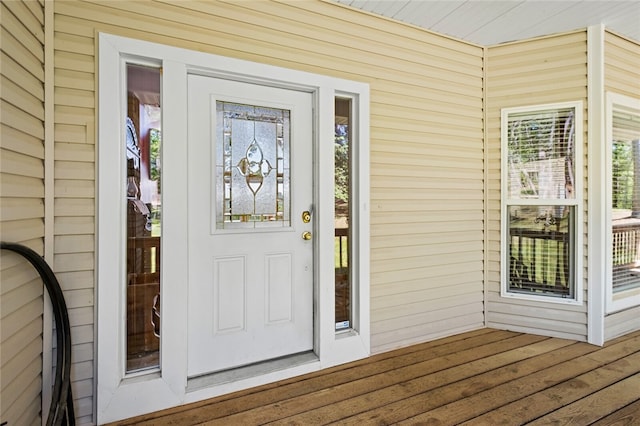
625, 199
541, 154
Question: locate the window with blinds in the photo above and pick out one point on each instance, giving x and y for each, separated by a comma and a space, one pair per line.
625, 198
541, 200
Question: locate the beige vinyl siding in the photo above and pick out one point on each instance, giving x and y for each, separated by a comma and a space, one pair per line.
621, 65
622, 76
74, 206
22, 208
426, 142
621, 323
540, 71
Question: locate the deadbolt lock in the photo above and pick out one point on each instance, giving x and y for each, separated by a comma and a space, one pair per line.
306, 217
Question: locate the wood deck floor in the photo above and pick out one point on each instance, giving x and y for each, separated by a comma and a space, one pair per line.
484, 377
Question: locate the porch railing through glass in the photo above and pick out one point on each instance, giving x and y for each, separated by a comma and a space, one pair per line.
144, 217
342, 213
541, 250
626, 254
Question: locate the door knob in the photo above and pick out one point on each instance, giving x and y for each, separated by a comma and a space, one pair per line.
306, 235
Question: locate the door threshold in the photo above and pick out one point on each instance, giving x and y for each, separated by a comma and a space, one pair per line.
251, 370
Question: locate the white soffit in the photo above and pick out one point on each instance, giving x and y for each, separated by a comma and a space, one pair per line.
487, 22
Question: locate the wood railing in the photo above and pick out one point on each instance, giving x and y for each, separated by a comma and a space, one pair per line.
143, 290
539, 261
343, 289
626, 255
342, 240
626, 239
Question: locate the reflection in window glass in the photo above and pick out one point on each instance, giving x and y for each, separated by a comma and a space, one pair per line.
342, 151
540, 245
541, 159
144, 217
625, 199
539, 145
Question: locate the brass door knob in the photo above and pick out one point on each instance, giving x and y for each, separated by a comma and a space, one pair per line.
306, 235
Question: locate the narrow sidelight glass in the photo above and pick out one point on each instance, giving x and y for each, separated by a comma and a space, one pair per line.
342, 230
144, 216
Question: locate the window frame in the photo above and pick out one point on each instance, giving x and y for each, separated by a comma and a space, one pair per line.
577, 203
352, 252
614, 301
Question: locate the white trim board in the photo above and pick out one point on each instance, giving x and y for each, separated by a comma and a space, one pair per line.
120, 395
597, 190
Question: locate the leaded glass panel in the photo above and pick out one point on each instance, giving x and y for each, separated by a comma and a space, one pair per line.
252, 166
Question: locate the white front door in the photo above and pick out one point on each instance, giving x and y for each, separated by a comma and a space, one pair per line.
250, 282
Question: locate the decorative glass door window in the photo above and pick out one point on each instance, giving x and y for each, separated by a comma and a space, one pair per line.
541, 193
252, 166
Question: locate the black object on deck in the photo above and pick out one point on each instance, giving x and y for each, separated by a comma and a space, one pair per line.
61, 409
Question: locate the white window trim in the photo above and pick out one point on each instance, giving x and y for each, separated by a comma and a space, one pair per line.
628, 298
119, 395
578, 202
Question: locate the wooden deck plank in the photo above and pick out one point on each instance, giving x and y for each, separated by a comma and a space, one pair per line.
595, 406
628, 415
485, 377
300, 386
203, 409
435, 389
475, 396
564, 389
334, 394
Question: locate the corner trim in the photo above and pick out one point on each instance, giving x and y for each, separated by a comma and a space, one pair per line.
596, 159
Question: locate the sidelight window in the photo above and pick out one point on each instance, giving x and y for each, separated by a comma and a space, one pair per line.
143, 217
342, 192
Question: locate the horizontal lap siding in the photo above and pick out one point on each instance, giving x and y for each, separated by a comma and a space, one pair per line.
426, 138
622, 75
74, 205
546, 70
621, 65
22, 208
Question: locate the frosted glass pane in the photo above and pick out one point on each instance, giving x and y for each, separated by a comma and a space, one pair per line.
252, 145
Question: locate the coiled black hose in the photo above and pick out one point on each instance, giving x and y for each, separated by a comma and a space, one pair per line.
61, 409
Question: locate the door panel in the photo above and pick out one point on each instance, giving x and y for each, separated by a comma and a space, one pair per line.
250, 280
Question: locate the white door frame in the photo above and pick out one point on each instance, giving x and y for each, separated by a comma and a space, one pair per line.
121, 395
